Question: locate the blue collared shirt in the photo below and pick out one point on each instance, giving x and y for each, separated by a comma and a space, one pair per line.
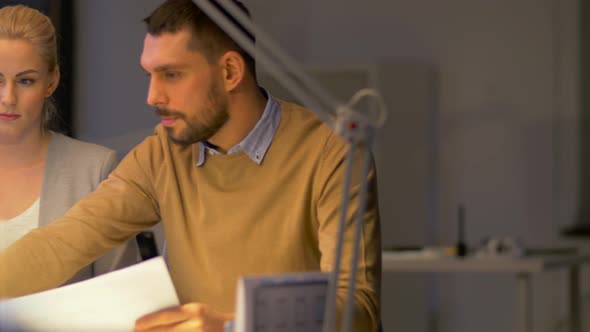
256, 144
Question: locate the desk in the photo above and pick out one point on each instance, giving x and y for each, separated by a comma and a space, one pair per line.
522, 268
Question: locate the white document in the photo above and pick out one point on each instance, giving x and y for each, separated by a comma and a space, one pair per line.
110, 302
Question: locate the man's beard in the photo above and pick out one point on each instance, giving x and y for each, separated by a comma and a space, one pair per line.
200, 127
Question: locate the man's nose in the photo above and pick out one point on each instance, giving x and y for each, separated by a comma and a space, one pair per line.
156, 94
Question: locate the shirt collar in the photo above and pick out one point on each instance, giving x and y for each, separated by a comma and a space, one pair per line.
256, 144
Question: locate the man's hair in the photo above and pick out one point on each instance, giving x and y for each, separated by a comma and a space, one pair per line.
208, 38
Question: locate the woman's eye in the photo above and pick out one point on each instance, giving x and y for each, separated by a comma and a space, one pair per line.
26, 81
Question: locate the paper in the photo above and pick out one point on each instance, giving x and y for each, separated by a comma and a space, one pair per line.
110, 302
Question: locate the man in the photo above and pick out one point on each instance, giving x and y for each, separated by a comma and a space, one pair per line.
243, 183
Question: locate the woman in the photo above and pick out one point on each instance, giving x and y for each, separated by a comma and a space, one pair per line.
42, 173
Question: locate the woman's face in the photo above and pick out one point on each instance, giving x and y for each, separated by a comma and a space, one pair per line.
24, 84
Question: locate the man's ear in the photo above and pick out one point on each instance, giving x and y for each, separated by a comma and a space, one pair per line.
53, 82
233, 69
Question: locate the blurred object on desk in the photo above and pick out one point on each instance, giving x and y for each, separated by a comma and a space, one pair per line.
503, 246
418, 252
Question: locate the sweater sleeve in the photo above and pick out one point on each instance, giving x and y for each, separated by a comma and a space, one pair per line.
368, 276
125, 254
121, 206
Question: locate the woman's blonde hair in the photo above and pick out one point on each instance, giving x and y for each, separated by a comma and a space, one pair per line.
22, 22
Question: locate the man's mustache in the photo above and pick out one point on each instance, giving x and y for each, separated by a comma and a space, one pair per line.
168, 113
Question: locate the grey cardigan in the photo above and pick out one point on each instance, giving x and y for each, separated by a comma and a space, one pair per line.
74, 169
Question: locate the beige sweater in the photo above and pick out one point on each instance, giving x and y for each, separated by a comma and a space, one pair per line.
227, 218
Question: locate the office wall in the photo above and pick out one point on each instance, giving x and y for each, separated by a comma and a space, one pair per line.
506, 101
111, 86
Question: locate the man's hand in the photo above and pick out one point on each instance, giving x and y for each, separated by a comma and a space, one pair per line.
189, 317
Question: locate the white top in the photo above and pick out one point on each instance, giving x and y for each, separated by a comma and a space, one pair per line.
14, 228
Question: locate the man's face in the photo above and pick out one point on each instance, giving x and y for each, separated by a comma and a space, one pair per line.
185, 89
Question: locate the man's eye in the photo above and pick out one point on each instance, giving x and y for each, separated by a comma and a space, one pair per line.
172, 75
